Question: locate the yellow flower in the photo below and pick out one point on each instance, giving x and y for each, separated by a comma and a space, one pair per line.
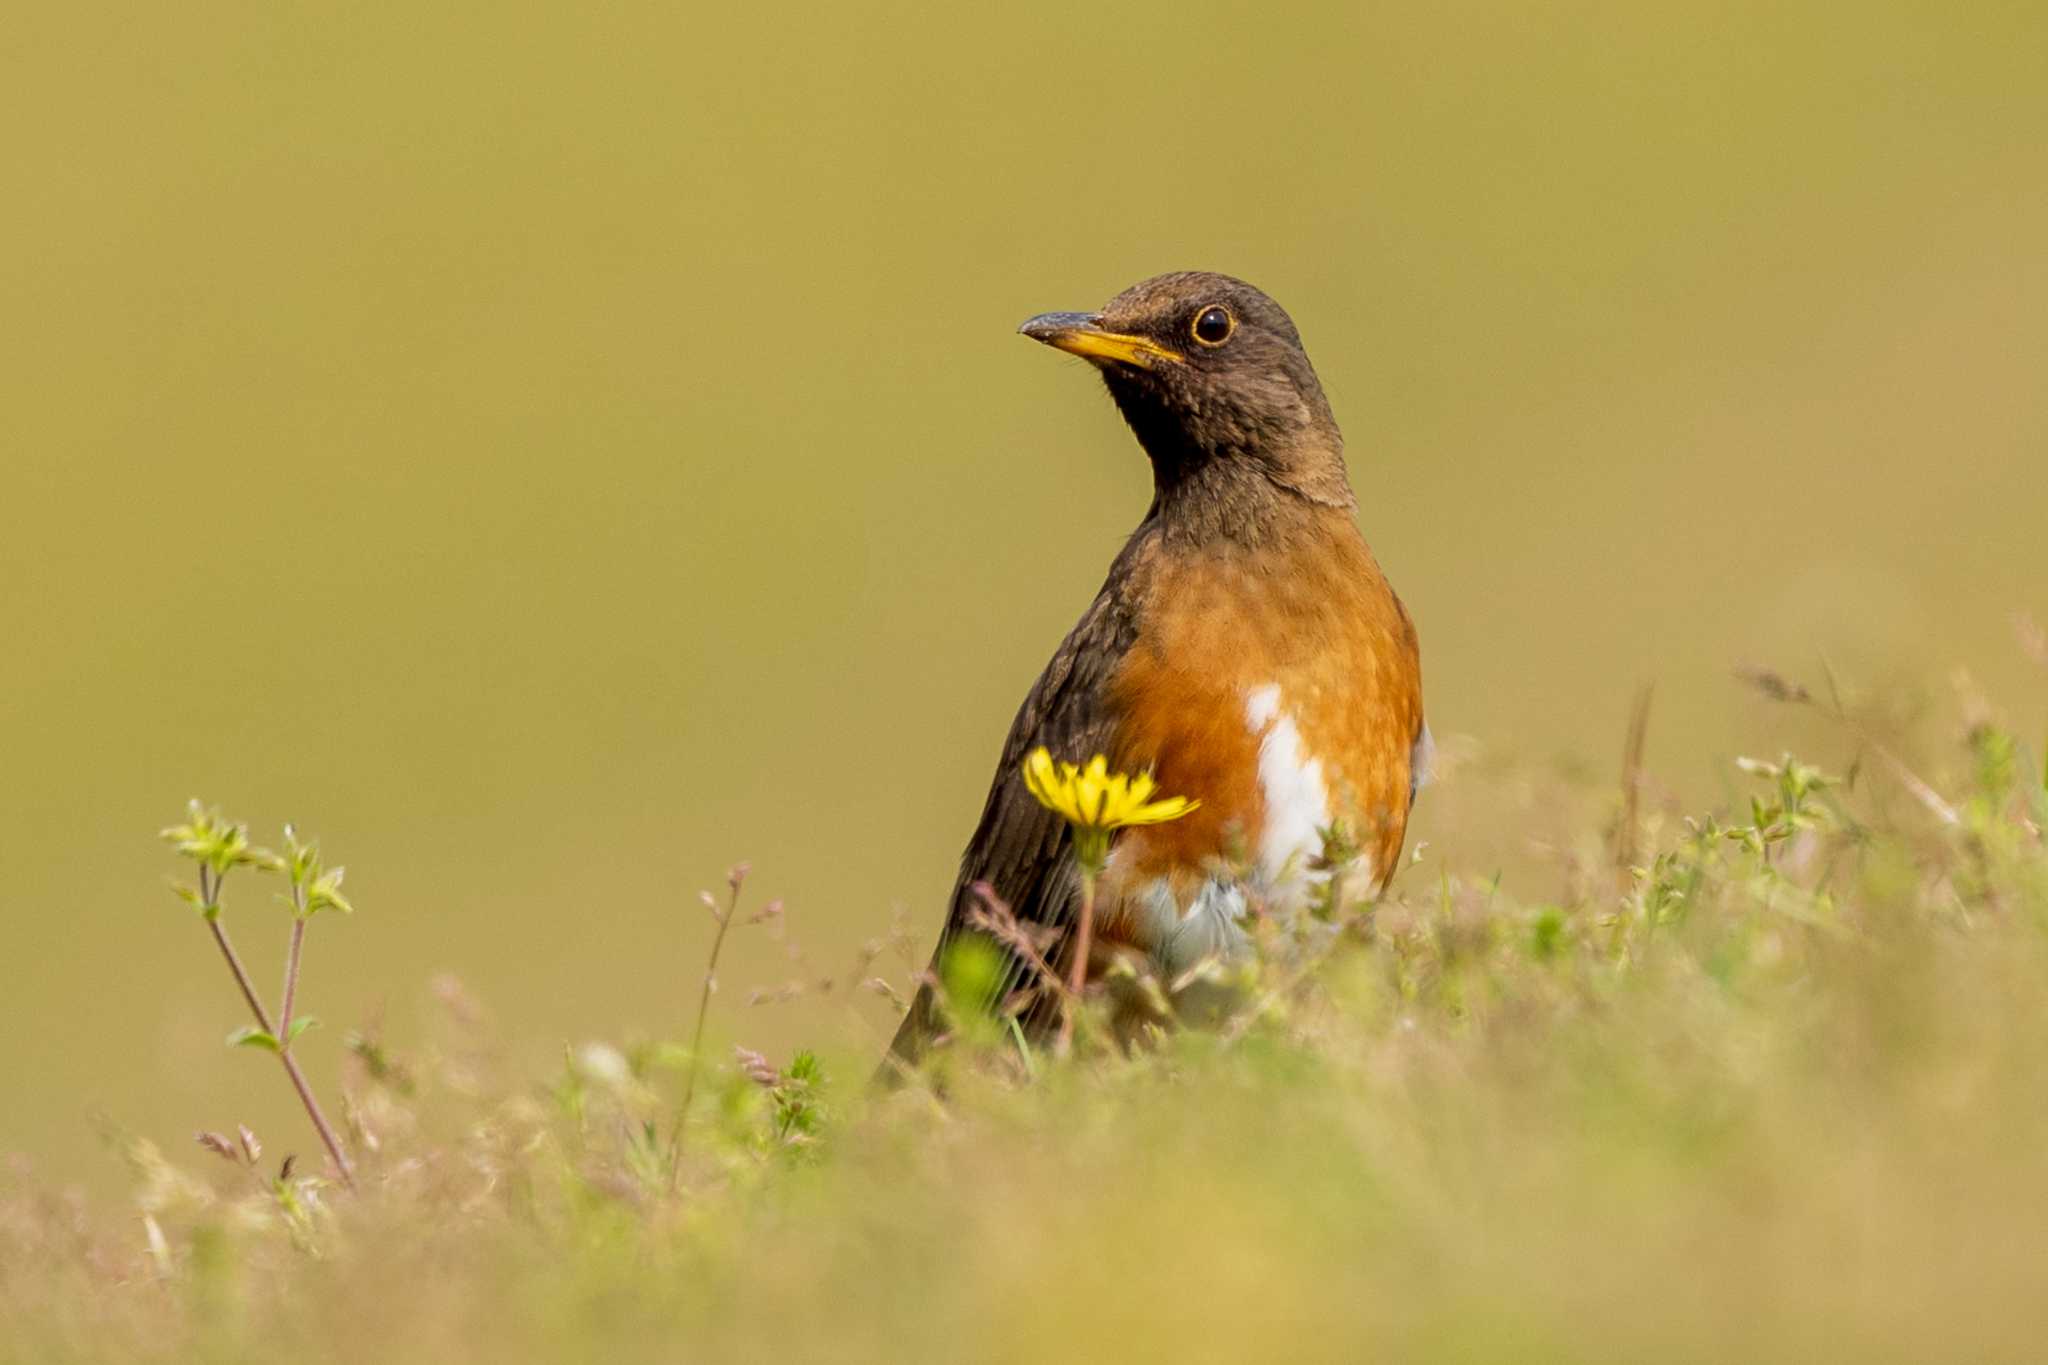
1095, 801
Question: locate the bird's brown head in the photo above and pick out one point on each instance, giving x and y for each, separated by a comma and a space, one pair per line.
1212, 377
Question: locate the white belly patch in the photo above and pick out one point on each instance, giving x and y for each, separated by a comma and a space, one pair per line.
1181, 931
1297, 799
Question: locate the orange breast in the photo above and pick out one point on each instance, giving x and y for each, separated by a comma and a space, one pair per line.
1308, 636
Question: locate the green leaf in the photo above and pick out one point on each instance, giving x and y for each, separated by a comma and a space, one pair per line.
210, 839
195, 834
298, 862
190, 895
325, 894
298, 1026
230, 849
1023, 1047
254, 1037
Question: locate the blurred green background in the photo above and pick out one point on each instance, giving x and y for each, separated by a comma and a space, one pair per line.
553, 452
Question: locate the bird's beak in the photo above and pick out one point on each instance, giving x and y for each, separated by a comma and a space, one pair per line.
1082, 334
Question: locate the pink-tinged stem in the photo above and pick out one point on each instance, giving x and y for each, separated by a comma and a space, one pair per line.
327, 1137
227, 950
1077, 970
291, 1065
291, 978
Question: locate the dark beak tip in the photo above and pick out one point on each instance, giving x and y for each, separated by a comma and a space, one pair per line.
1046, 326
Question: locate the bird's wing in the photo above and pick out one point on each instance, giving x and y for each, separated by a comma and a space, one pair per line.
1020, 848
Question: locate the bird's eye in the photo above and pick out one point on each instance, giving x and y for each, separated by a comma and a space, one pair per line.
1213, 325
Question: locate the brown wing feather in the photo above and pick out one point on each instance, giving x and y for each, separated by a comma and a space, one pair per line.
1019, 847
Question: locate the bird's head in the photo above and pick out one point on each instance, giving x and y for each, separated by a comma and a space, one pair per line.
1212, 378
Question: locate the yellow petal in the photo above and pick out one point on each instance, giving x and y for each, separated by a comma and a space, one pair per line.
1092, 798
1042, 780
1159, 812
1036, 768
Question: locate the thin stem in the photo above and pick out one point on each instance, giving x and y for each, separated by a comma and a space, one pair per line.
207, 892
291, 980
1628, 829
1077, 970
675, 1147
327, 1137
227, 950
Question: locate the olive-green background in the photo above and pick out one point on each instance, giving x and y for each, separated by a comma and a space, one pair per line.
552, 452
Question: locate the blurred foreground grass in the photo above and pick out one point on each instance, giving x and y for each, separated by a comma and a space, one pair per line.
1775, 1090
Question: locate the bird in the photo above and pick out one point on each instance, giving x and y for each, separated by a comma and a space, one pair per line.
1245, 650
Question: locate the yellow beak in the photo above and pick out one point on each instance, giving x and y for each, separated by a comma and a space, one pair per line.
1082, 334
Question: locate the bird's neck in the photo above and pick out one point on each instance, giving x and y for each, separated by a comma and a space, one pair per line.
1249, 499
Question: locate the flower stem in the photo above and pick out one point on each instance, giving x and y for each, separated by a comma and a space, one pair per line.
1077, 969
227, 950
291, 980
327, 1137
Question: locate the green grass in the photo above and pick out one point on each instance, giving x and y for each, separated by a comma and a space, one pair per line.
1776, 1093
